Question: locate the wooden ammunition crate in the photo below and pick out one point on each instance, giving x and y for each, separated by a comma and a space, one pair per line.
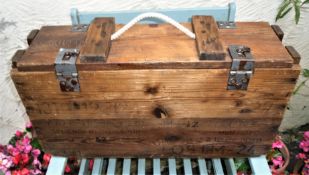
155, 92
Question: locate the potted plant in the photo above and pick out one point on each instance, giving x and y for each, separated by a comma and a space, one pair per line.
302, 164
278, 157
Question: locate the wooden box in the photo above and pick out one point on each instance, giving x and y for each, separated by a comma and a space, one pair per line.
155, 92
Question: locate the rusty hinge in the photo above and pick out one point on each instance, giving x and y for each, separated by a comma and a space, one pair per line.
66, 71
242, 67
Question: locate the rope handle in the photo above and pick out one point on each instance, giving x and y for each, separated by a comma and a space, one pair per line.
152, 15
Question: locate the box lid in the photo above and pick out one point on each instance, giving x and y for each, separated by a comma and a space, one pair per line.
161, 46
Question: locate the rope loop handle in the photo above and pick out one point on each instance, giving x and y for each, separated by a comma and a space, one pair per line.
152, 15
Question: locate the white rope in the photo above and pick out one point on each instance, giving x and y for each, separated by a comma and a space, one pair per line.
152, 15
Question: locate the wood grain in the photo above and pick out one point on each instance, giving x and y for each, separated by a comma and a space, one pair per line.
157, 47
207, 39
98, 40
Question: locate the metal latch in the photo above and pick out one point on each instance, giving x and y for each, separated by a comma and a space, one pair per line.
242, 67
226, 24
66, 71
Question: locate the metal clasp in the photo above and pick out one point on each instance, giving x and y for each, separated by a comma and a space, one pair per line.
242, 67
66, 71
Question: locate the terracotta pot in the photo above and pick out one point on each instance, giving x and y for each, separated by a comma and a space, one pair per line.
286, 156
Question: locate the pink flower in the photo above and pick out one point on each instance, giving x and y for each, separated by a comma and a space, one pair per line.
278, 161
26, 140
277, 144
35, 172
304, 145
28, 125
306, 135
18, 133
27, 149
5, 162
36, 152
301, 156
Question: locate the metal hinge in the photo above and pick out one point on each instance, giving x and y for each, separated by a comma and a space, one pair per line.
66, 71
226, 24
80, 28
242, 67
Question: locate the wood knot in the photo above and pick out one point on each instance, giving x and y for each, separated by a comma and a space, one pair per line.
100, 139
246, 110
160, 112
172, 138
152, 90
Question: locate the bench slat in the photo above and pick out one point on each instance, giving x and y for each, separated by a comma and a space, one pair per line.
83, 167
172, 166
126, 167
217, 166
97, 166
156, 167
56, 165
259, 165
202, 167
230, 166
187, 166
111, 166
141, 166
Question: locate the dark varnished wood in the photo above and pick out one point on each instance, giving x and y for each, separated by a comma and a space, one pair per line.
32, 35
98, 40
294, 54
208, 43
278, 31
16, 57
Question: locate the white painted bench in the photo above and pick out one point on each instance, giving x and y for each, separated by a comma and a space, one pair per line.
108, 166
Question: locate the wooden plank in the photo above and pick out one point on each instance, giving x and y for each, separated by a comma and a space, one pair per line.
111, 169
126, 167
141, 166
16, 57
97, 166
56, 165
140, 45
187, 166
259, 165
202, 166
98, 40
32, 35
172, 166
294, 54
207, 39
156, 166
230, 166
83, 169
278, 31
217, 166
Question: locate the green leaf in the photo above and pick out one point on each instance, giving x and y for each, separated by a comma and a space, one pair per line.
296, 4
36, 144
285, 12
285, 4
299, 86
305, 2
306, 73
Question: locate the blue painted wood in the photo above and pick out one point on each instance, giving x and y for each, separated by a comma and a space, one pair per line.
187, 166
202, 166
111, 169
259, 165
97, 166
126, 167
141, 166
172, 166
83, 169
56, 165
230, 166
156, 167
226, 13
217, 166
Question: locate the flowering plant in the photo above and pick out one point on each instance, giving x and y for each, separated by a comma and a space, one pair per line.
304, 153
277, 156
23, 155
